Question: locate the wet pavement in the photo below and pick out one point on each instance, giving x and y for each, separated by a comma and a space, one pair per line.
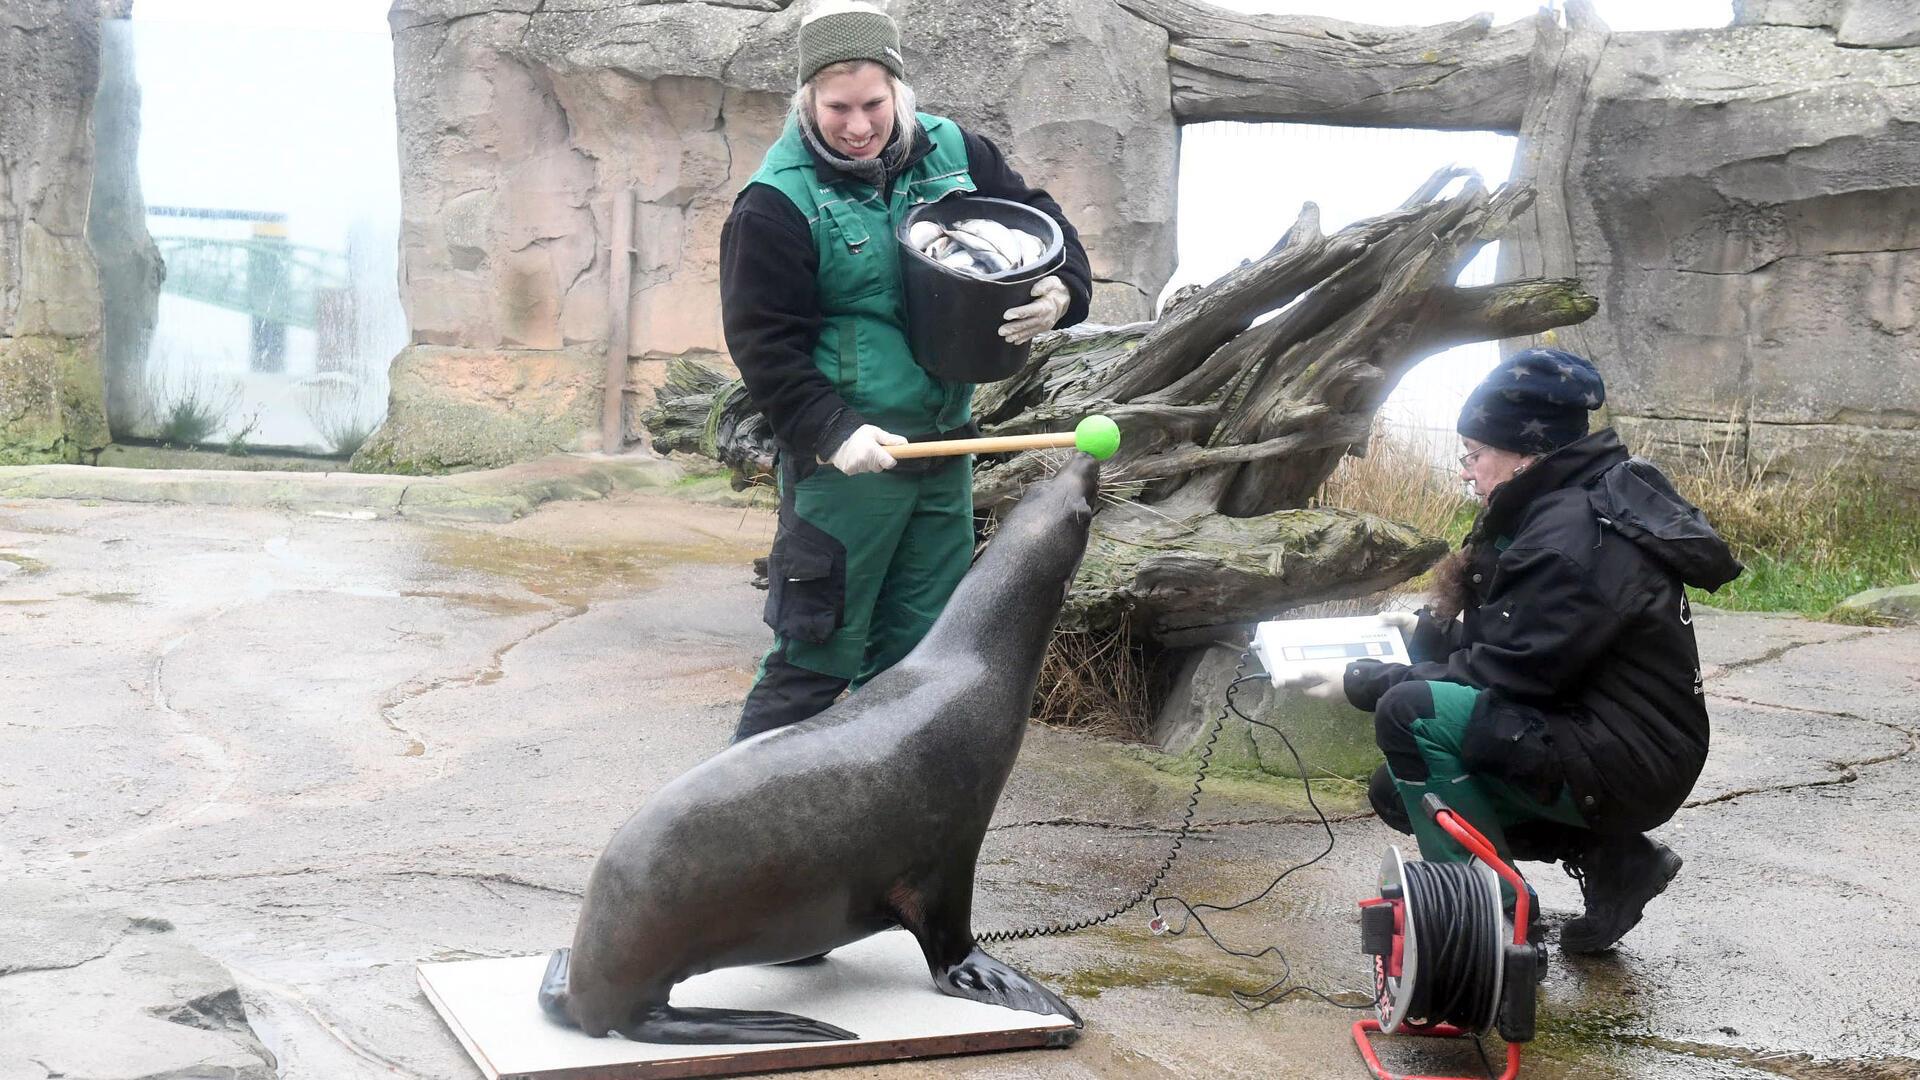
256, 763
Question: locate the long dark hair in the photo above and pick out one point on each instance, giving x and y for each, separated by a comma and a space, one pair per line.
1452, 593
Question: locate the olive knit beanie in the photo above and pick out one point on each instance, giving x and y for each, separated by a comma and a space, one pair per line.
837, 30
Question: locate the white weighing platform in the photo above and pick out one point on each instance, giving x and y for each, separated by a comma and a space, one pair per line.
877, 988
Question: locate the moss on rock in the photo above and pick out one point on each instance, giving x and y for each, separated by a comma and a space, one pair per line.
453, 410
52, 399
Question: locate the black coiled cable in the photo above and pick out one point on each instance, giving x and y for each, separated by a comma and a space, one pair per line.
1455, 916
1173, 851
1283, 987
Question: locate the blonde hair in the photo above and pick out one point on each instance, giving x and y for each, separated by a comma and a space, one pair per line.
904, 100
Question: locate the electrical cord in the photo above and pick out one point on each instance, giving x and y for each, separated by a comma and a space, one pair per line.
1456, 983
1282, 988
1173, 851
1454, 919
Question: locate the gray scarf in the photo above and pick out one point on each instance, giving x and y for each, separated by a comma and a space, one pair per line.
874, 170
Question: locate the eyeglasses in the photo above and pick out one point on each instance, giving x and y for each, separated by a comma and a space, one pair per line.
1467, 459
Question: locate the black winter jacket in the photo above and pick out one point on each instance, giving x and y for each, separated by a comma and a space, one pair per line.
1581, 635
771, 312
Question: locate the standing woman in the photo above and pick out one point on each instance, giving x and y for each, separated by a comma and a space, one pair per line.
868, 549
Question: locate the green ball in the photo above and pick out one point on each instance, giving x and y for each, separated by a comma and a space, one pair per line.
1097, 435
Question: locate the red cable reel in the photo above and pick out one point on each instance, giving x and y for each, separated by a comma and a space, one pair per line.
1418, 956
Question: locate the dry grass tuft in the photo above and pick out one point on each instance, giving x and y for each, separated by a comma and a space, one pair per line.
1809, 541
1100, 683
1775, 515
1398, 482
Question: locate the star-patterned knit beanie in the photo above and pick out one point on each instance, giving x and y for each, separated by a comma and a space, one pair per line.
1535, 402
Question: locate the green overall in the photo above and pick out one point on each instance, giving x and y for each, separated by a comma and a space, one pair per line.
1489, 803
863, 564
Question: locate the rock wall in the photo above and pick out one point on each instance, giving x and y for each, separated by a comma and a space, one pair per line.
1746, 204
1876, 24
518, 123
131, 269
51, 406
1756, 195
1743, 200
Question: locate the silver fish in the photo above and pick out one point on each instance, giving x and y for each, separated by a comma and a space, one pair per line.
1035, 248
996, 234
983, 250
924, 233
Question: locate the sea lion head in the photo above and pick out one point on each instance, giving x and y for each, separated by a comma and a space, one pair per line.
1005, 608
1047, 528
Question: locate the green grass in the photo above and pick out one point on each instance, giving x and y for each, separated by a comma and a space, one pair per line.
1791, 584
1462, 523
1809, 544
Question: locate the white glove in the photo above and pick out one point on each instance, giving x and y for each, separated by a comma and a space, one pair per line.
1323, 679
862, 452
1403, 621
1030, 321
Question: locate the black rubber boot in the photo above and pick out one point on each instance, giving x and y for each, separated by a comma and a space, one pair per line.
1617, 876
1536, 926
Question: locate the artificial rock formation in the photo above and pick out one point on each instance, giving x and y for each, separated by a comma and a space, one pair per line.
1876, 24
51, 400
1746, 204
1226, 65
1740, 198
131, 269
519, 123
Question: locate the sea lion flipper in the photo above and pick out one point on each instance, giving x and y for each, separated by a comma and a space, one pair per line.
980, 977
666, 1024
553, 986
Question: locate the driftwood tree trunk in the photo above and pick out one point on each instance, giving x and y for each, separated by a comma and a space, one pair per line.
1228, 428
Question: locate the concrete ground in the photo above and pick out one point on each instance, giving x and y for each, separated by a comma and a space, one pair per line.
258, 760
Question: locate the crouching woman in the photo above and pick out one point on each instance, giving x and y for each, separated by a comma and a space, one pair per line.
1555, 700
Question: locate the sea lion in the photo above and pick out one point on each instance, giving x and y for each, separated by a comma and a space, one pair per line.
867, 816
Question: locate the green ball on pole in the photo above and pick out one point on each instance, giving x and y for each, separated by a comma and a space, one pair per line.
1097, 435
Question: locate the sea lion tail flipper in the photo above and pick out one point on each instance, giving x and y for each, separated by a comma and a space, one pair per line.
980, 977
666, 1024
553, 987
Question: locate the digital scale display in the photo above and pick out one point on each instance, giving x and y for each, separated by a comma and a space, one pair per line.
1284, 644
1352, 650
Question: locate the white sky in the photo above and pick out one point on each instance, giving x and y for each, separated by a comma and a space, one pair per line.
364, 16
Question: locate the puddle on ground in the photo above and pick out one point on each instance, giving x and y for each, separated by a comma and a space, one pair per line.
1148, 965
14, 524
1574, 1036
563, 574
488, 602
13, 564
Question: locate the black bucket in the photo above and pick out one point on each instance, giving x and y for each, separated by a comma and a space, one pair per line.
954, 318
